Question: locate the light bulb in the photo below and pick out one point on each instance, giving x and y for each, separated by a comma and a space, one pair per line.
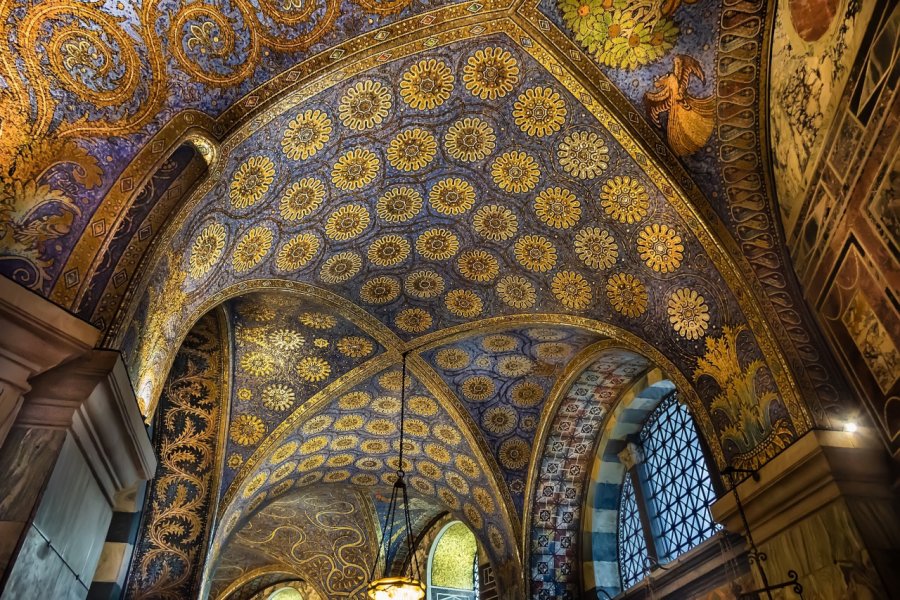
850, 427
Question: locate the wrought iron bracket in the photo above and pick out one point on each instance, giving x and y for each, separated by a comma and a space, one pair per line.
754, 556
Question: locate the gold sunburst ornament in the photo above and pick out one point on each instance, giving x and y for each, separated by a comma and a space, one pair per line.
387, 587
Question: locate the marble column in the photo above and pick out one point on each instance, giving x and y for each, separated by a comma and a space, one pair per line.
823, 508
37, 335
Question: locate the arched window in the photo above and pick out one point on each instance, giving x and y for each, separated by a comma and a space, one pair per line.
453, 564
664, 504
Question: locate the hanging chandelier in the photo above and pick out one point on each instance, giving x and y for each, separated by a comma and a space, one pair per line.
388, 587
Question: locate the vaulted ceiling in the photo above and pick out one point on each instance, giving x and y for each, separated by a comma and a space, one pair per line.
511, 190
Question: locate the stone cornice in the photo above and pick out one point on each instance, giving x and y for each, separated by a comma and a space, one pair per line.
36, 336
92, 398
37, 333
817, 469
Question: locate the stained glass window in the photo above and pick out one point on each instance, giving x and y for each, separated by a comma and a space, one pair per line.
677, 491
632, 546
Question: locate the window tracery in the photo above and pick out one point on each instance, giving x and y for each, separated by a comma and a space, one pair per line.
668, 514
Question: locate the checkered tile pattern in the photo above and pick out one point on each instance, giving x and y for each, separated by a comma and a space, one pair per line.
559, 491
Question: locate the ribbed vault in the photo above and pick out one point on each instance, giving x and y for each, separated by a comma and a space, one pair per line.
538, 200
429, 240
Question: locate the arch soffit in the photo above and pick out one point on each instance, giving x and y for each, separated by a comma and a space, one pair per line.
579, 364
570, 434
648, 390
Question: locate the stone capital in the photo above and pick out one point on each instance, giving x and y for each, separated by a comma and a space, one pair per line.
630, 456
37, 336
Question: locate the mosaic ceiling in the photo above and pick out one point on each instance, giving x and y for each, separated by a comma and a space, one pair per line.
352, 438
327, 536
499, 187
285, 352
397, 207
475, 407
97, 97
373, 182
504, 380
93, 83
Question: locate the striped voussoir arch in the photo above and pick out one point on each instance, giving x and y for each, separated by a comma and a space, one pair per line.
599, 526
565, 461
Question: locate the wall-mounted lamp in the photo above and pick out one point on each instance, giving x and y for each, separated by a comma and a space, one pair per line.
851, 427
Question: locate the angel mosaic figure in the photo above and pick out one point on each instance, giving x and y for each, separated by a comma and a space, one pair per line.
691, 118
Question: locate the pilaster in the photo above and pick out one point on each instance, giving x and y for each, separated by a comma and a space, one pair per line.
85, 409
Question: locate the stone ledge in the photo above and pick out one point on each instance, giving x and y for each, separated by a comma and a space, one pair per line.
43, 335
817, 469
37, 336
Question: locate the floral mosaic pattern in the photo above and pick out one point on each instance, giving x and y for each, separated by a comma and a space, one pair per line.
503, 379
353, 440
577, 230
285, 351
580, 183
182, 491
414, 198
